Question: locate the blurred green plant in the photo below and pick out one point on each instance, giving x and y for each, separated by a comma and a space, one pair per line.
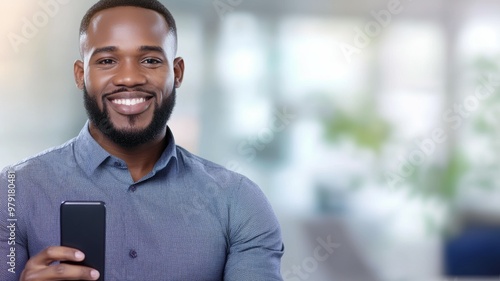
442, 182
364, 126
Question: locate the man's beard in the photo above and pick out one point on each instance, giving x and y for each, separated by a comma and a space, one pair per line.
132, 137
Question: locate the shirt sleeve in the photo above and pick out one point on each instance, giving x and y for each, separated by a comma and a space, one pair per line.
13, 252
256, 245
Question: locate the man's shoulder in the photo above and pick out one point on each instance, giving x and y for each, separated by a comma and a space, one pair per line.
193, 161
216, 181
44, 159
209, 170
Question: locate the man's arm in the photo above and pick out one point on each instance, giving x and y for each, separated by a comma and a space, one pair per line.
255, 240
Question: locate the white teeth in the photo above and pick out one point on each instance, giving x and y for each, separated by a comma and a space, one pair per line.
129, 102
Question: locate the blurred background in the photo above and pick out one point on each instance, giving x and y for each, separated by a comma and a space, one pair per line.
371, 125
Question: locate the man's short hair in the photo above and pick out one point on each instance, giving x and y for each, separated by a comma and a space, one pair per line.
146, 4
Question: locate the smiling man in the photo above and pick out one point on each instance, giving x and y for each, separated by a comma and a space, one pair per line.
170, 215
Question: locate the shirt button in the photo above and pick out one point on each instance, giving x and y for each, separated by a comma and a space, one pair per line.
132, 254
133, 188
117, 164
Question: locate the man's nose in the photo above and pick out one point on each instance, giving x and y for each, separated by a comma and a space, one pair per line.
129, 74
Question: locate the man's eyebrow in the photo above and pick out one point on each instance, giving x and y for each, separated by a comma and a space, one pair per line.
152, 49
107, 49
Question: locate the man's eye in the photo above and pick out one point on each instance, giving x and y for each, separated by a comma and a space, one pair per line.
106, 61
151, 61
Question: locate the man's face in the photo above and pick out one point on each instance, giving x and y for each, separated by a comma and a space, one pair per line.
129, 74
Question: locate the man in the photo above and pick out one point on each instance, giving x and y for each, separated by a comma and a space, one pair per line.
170, 215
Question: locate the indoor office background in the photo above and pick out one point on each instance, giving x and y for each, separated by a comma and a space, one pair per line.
371, 125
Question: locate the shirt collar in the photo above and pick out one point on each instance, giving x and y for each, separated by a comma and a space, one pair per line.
90, 155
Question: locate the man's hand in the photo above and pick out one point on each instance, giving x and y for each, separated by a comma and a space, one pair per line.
39, 267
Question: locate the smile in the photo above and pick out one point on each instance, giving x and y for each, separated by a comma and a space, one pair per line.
125, 104
129, 102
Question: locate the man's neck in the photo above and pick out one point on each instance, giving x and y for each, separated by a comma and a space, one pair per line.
141, 159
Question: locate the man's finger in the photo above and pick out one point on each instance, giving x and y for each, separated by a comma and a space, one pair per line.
63, 272
56, 253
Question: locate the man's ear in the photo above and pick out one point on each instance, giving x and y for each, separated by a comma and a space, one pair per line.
178, 71
79, 74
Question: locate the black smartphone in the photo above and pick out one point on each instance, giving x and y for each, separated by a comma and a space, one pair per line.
83, 227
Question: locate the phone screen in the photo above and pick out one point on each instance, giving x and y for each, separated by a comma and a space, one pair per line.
83, 227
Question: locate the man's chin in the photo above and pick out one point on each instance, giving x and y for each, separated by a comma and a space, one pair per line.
130, 130
132, 125
133, 135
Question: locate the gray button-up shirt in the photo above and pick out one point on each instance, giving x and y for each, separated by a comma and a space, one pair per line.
188, 219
